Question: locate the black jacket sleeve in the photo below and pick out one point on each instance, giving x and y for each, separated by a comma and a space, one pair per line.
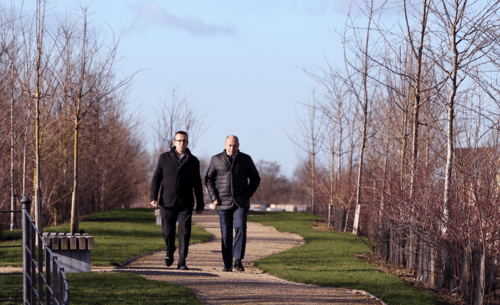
254, 177
210, 179
156, 181
198, 189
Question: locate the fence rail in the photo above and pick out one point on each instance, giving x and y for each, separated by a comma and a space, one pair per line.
39, 287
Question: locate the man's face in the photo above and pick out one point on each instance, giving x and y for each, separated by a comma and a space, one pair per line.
181, 143
231, 146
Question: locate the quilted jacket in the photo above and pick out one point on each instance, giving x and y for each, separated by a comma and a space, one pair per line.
232, 181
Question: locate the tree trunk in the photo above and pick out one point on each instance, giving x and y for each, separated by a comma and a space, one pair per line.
25, 156
54, 212
425, 259
360, 173
481, 277
449, 161
464, 271
413, 173
420, 250
38, 69
331, 186
98, 156
364, 133
450, 107
313, 178
432, 267
74, 199
103, 190
351, 156
13, 205
38, 192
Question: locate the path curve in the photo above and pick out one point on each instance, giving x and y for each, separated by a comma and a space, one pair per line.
213, 286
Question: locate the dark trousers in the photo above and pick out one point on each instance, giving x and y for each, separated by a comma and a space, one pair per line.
235, 217
169, 217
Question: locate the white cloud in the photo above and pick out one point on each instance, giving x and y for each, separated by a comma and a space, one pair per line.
157, 15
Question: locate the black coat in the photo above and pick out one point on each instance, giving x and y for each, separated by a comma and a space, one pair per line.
179, 180
228, 181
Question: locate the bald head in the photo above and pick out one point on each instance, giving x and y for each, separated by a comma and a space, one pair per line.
232, 145
233, 137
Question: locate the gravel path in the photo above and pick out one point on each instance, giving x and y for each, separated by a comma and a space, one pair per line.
213, 286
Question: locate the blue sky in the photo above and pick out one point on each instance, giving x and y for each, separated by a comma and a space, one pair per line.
240, 62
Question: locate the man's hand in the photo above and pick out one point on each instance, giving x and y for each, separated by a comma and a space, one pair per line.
216, 202
154, 203
199, 211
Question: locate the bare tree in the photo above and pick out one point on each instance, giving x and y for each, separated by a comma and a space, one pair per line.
357, 78
463, 38
25, 44
90, 73
40, 92
309, 129
333, 105
176, 113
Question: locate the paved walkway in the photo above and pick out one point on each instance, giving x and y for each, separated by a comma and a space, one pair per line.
213, 286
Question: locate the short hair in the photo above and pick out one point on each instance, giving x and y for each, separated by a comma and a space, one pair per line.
183, 133
235, 137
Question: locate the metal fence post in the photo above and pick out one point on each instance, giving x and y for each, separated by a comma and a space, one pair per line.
48, 278
32, 262
26, 205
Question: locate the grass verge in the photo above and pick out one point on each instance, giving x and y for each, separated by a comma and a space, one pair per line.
119, 235
109, 288
126, 288
328, 259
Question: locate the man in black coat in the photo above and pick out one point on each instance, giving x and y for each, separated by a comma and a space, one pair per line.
178, 174
229, 188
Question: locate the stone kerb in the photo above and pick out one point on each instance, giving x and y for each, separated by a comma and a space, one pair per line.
72, 250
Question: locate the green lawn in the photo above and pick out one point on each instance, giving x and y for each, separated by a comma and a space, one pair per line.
119, 235
328, 259
109, 288
125, 288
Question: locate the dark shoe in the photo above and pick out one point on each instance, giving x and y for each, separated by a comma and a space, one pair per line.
227, 269
238, 265
169, 261
182, 266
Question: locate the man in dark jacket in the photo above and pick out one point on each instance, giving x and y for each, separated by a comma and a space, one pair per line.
178, 174
229, 188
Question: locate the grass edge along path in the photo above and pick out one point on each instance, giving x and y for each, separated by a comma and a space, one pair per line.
109, 288
328, 259
119, 235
